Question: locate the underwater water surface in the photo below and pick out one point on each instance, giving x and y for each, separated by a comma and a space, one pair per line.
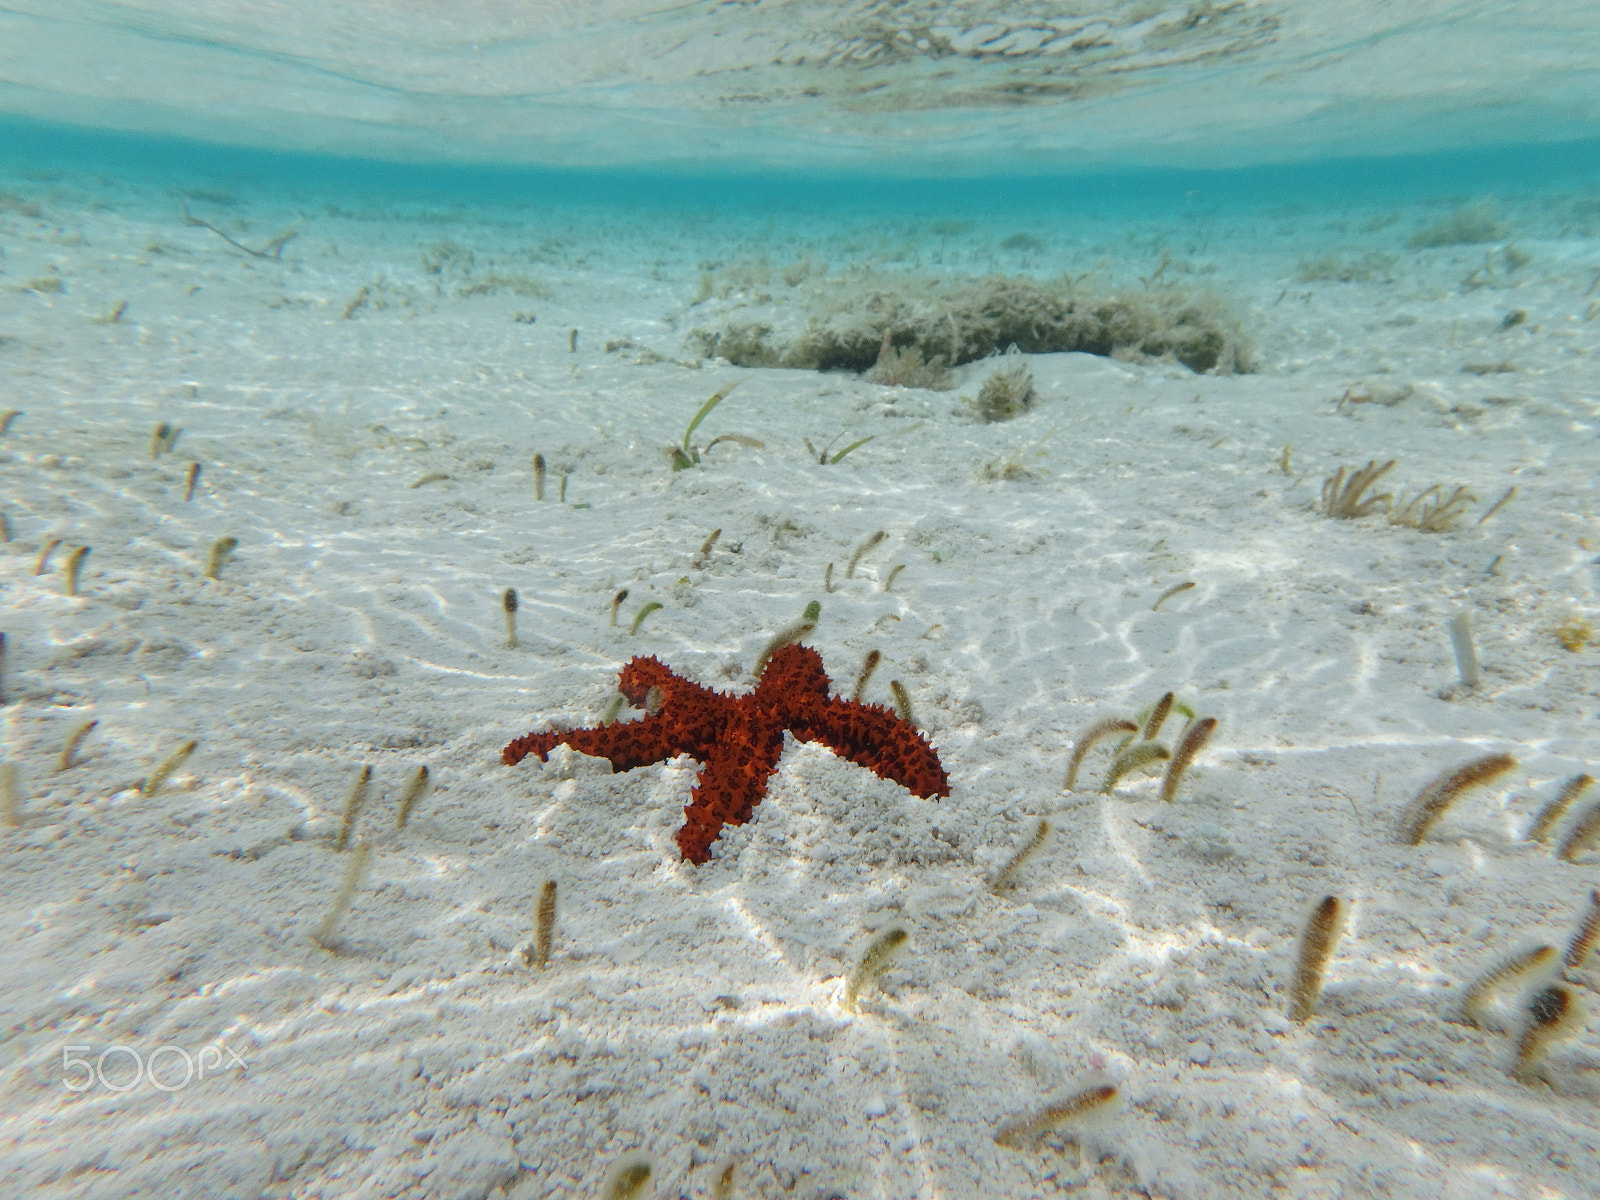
869, 86
1136, 107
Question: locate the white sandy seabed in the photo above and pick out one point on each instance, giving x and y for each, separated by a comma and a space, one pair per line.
373, 461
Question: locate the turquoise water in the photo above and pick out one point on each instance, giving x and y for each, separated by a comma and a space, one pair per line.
38, 149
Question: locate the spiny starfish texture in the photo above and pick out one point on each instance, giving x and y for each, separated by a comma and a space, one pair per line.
739, 738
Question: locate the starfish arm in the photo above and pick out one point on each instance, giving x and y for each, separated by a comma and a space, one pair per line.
731, 785
642, 674
875, 738
626, 745
793, 681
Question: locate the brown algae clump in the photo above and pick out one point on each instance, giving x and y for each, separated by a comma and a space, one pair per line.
860, 324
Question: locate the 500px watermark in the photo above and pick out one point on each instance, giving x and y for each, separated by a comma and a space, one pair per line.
120, 1068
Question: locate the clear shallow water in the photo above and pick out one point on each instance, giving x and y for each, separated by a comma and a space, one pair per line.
366, 406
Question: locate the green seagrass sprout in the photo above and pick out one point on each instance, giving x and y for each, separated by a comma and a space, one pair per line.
688, 455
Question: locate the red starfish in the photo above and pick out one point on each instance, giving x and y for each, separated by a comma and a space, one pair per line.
739, 738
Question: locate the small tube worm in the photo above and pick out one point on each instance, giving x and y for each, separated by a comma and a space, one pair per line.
1587, 933
879, 956
1583, 835
72, 570
1466, 653
1433, 800
738, 439
1004, 876
217, 556
638, 617
164, 769
42, 563
1159, 712
11, 795
1499, 504
1554, 1013
1550, 815
861, 552
894, 571
10, 415
430, 477
192, 482
561, 492
6, 533
1087, 739
353, 874
508, 601
1173, 591
1195, 735
868, 666
653, 700
705, 549
572, 341
420, 785
1140, 754
538, 477
3, 699
158, 439
616, 603
902, 702
352, 807
69, 752
544, 927
630, 1177
612, 711
1526, 964
1090, 1102
784, 637
1316, 947
827, 578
